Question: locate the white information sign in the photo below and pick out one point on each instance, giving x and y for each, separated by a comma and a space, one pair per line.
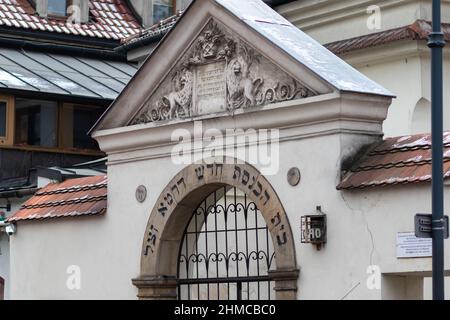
408, 246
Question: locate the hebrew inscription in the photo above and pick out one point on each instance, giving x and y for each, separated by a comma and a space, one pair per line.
210, 84
239, 175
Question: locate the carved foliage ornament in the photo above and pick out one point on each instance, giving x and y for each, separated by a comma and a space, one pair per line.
220, 73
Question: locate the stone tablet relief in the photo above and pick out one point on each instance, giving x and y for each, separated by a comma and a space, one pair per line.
210, 88
219, 73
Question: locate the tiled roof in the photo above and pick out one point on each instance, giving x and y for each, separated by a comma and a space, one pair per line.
419, 30
75, 197
399, 160
110, 19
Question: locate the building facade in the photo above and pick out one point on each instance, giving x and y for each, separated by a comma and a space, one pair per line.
229, 78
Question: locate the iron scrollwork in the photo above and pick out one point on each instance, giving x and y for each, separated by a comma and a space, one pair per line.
226, 247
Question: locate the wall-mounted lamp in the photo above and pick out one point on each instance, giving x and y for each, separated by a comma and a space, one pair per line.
314, 228
9, 228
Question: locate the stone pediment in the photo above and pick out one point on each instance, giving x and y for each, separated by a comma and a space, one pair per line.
219, 73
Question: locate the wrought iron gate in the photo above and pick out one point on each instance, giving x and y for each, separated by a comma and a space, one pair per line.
226, 251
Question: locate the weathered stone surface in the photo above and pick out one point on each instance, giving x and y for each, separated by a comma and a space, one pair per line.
219, 73
210, 88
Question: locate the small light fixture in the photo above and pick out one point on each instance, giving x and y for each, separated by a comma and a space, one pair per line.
314, 228
10, 229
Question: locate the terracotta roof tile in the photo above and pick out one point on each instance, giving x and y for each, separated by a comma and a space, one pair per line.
21, 14
75, 197
419, 30
399, 160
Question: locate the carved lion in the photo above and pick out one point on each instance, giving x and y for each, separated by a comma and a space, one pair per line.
241, 88
182, 96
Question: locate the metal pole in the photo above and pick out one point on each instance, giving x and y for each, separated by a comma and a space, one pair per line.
436, 43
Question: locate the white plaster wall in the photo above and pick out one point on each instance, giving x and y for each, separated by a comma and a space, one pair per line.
41, 253
4, 260
402, 77
408, 76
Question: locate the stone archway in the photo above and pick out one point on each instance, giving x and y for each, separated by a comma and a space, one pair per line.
174, 208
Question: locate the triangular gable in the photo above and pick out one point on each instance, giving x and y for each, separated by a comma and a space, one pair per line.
219, 73
228, 55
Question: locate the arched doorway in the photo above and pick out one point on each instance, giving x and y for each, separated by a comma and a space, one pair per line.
173, 214
226, 252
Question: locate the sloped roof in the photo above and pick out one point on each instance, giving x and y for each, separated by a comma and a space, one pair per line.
400, 160
62, 74
302, 47
419, 30
111, 19
75, 197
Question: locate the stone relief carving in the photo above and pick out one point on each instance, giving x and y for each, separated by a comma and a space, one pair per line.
242, 89
220, 73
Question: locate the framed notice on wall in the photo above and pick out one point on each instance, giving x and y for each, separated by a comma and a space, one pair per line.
409, 246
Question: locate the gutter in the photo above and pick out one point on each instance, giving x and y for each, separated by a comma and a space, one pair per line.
273, 3
56, 37
19, 193
62, 48
140, 42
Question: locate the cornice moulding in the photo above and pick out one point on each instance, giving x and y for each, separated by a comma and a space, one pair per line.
344, 111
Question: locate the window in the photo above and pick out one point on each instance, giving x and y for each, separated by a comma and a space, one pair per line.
6, 119
36, 123
57, 7
32, 123
76, 121
162, 9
